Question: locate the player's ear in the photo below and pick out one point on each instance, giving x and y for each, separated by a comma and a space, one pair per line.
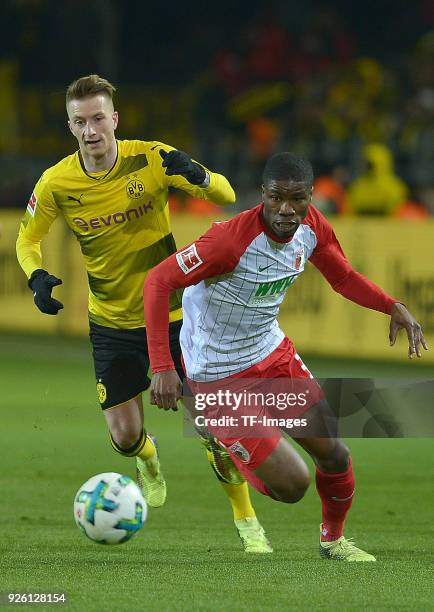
115, 117
263, 191
70, 127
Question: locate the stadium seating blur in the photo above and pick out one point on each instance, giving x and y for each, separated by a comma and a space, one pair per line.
350, 89
322, 81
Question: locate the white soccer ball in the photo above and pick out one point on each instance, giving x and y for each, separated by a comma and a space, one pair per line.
109, 508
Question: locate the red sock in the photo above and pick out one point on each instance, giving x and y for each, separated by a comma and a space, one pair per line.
336, 492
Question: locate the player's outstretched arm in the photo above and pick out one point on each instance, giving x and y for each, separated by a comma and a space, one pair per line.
187, 174
401, 318
330, 260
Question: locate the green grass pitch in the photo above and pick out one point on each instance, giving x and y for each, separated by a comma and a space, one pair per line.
188, 557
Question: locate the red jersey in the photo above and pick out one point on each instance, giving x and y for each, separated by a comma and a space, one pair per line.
237, 275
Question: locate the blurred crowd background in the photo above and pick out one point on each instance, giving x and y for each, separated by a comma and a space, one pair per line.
349, 85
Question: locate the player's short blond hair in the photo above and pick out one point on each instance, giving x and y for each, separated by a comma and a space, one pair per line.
89, 85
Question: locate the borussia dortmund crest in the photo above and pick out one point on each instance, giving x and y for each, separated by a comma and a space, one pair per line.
135, 189
102, 392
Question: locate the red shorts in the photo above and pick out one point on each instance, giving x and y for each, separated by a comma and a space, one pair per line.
249, 451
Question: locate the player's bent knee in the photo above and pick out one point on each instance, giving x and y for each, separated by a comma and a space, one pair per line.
294, 487
285, 473
125, 439
291, 495
296, 496
126, 442
125, 423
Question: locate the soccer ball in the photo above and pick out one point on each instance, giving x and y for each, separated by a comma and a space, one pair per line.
109, 508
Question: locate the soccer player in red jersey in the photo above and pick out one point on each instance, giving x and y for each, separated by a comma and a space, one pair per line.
236, 277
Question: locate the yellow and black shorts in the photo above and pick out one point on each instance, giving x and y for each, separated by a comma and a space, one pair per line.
121, 361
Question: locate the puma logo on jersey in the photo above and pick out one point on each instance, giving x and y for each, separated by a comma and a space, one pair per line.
115, 219
76, 199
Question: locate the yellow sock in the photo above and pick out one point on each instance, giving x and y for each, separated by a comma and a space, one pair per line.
148, 450
239, 498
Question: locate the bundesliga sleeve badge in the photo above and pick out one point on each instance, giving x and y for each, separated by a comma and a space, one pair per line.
31, 206
188, 259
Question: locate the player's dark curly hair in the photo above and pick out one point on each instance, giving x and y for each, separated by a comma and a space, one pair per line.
288, 167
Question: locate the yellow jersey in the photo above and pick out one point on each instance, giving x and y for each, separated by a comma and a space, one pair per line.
120, 217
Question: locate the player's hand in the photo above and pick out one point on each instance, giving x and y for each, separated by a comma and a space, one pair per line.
178, 162
166, 390
42, 283
401, 318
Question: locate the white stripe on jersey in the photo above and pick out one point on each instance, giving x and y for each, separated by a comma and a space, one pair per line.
230, 322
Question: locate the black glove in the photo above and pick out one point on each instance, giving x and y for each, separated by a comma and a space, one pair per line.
42, 283
178, 162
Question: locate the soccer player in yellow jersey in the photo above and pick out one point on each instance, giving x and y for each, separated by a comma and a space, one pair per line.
113, 196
